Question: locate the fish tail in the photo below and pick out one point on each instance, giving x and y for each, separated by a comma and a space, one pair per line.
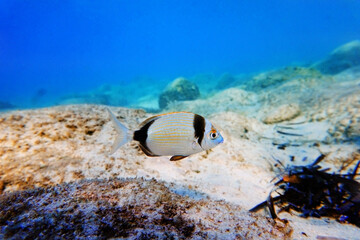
124, 135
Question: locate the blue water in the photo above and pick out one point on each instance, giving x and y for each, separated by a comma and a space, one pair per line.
49, 49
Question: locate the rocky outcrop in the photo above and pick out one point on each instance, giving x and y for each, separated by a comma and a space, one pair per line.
180, 89
342, 58
46, 144
280, 76
127, 208
226, 80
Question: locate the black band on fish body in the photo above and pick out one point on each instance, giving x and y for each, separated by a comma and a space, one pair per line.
141, 136
199, 127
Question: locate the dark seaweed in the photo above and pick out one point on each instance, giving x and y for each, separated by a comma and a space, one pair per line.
314, 192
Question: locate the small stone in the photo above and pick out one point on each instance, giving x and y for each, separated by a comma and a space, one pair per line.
2, 186
283, 113
344, 122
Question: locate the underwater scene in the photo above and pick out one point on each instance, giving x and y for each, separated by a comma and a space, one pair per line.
180, 119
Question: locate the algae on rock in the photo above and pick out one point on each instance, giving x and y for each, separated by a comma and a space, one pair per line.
180, 89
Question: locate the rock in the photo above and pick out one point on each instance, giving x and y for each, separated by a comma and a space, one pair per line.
50, 135
231, 99
234, 95
348, 127
225, 81
180, 89
277, 77
283, 113
2, 186
127, 208
342, 58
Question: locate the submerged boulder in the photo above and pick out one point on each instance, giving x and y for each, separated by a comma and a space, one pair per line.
180, 89
342, 58
279, 76
225, 81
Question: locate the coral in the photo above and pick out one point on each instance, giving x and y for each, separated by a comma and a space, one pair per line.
180, 89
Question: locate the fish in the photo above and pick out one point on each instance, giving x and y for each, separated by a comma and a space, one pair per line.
176, 134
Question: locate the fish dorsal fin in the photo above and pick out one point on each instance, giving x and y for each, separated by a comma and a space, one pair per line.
153, 118
159, 116
177, 157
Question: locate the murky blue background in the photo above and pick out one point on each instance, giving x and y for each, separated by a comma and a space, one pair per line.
52, 48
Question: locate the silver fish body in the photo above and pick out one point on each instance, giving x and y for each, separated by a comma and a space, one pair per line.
178, 134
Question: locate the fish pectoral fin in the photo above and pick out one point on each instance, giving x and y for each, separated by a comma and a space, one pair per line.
194, 144
177, 157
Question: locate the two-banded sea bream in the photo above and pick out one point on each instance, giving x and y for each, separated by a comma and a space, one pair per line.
177, 134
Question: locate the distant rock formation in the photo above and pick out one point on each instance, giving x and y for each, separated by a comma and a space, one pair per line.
226, 80
342, 58
279, 76
106, 94
180, 89
6, 105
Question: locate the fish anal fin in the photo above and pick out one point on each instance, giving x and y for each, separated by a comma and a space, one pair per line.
177, 157
147, 151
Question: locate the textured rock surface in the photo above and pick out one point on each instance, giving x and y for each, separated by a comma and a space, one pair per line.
231, 99
180, 89
226, 80
40, 147
131, 208
283, 113
342, 58
279, 76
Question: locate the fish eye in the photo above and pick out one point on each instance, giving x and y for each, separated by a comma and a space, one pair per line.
213, 135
